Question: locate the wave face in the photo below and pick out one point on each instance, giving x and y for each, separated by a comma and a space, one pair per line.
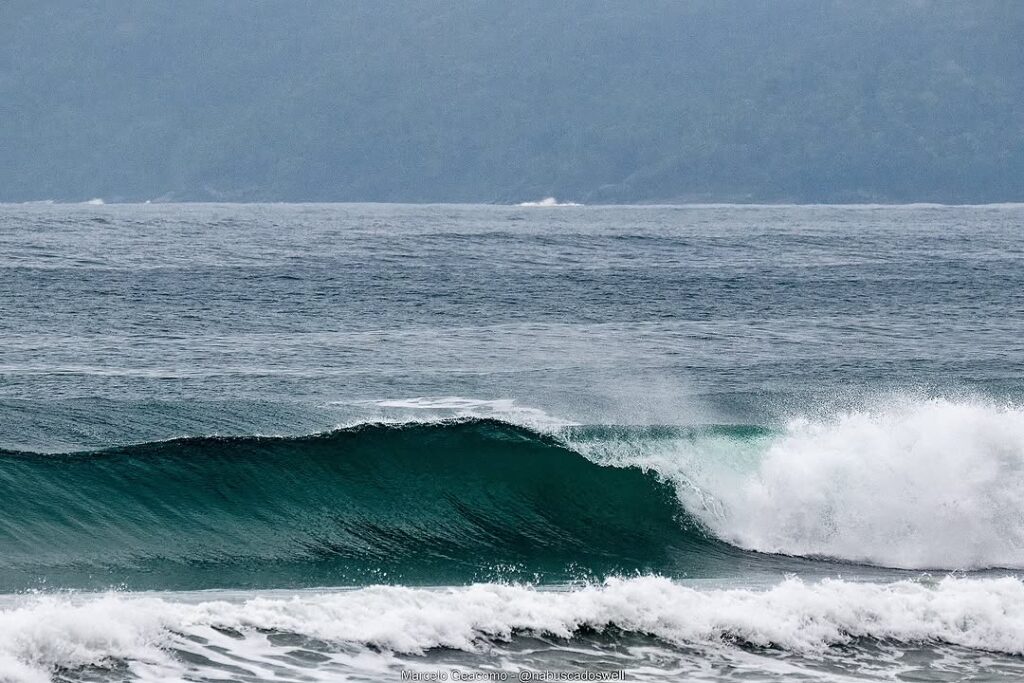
418, 502
828, 631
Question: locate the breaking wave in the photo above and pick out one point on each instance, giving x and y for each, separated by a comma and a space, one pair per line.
926, 485
369, 632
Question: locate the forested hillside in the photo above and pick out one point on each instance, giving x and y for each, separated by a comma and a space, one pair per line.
495, 101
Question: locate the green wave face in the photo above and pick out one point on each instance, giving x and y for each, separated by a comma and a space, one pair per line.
431, 503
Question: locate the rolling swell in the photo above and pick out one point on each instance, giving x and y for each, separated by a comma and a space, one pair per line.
427, 503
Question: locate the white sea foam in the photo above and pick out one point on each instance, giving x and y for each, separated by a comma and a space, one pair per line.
912, 484
367, 628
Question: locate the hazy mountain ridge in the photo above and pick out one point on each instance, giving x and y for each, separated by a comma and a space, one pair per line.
495, 101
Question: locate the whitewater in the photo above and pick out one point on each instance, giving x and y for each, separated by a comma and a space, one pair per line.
363, 442
917, 484
383, 630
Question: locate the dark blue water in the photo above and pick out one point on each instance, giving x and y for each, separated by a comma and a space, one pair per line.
131, 323
700, 399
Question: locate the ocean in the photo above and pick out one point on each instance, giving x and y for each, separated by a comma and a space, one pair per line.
531, 443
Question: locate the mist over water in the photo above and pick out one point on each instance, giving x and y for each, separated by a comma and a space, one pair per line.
347, 440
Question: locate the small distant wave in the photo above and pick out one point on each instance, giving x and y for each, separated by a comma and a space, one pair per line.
375, 630
548, 201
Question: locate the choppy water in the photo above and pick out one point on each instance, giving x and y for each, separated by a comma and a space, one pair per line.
328, 442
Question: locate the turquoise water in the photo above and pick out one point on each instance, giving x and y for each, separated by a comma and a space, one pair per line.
305, 442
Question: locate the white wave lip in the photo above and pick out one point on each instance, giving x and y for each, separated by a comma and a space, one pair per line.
929, 484
39, 635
